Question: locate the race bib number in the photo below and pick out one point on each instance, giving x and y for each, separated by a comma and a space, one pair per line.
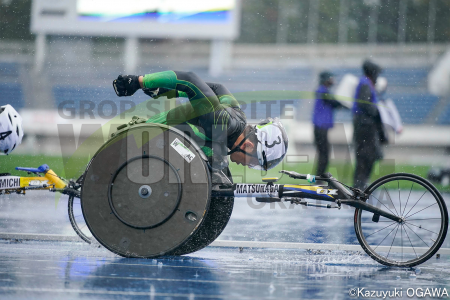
9, 182
256, 190
187, 154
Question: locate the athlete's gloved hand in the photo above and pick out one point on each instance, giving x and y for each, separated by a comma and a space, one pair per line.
126, 85
155, 93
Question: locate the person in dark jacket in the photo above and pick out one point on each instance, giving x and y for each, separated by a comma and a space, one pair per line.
368, 133
323, 119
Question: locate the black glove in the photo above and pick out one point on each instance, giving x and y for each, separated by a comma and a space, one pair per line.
152, 92
126, 85
155, 93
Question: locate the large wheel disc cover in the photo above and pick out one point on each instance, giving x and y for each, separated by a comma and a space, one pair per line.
141, 196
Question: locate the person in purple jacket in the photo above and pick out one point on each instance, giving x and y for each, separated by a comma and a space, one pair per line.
323, 119
368, 132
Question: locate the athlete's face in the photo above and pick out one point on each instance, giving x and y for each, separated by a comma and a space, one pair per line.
242, 158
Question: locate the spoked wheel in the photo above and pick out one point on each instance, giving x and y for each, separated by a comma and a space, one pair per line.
422, 231
77, 220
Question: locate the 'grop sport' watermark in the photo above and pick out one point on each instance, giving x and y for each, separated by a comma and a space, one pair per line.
440, 293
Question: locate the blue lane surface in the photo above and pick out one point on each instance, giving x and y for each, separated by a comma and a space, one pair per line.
63, 270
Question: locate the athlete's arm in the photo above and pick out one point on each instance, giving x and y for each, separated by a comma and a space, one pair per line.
224, 95
200, 95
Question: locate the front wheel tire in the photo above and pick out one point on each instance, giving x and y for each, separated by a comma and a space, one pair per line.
423, 229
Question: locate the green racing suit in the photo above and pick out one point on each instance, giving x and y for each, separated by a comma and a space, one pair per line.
213, 117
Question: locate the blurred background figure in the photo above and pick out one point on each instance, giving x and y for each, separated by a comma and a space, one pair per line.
368, 130
386, 107
323, 119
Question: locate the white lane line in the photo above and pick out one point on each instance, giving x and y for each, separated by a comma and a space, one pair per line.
40, 237
244, 244
316, 246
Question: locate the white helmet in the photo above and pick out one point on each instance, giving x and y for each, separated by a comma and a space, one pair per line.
272, 143
11, 132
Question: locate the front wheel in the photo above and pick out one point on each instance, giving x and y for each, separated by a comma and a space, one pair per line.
422, 231
77, 220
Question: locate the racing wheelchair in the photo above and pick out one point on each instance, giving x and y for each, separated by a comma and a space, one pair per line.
149, 191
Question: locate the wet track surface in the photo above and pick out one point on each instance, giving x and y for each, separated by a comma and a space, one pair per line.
38, 270
72, 270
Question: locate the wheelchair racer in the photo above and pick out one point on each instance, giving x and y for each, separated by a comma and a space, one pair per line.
212, 117
11, 132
